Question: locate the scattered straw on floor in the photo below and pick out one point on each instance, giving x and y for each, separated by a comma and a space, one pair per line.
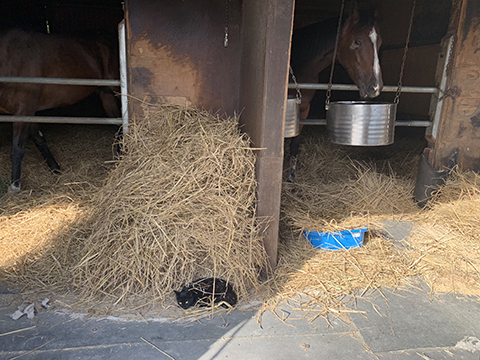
446, 242
334, 192
33, 230
45, 212
181, 205
341, 188
325, 281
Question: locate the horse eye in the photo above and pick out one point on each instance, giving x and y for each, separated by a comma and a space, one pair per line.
358, 42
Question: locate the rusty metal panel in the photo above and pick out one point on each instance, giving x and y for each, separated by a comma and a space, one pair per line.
177, 53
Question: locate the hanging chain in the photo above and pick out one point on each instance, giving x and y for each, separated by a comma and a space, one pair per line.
330, 81
225, 40
405, 50
454, 91
299, 94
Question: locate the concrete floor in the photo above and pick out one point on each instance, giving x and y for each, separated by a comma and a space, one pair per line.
409, 326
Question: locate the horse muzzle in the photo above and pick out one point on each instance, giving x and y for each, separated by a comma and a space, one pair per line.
372, 91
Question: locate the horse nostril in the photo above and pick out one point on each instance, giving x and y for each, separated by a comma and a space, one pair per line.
374, 90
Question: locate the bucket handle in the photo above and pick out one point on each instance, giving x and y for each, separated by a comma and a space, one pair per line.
299, 94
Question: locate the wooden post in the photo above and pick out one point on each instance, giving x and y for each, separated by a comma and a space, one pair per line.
459, 124
266, 55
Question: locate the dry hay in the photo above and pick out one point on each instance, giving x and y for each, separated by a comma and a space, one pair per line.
179, 205
341, 188
334, 192
31, 231
49, 204
446, 243
326, 281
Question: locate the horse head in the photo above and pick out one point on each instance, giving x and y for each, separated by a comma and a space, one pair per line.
358, 52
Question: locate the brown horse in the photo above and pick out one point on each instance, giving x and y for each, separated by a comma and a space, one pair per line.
29, 54
357, 51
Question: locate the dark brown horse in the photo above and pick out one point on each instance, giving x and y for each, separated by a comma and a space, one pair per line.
357, 51
29, 54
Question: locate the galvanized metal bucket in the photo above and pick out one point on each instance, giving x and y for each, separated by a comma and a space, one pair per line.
292, 117
361, 123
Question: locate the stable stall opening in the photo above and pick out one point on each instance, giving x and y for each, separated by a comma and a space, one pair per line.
79, 19
338, 182
83, 20
424, 64
430, 26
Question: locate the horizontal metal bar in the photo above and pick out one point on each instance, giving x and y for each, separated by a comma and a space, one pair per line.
58, 81
313, 122
409, 123
61, 120
388, 88
413, 123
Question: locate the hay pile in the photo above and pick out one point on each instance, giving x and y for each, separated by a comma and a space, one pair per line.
446, 243
335, 192
342, 188
179, 205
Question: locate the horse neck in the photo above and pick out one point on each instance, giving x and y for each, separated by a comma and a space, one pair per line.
312, 48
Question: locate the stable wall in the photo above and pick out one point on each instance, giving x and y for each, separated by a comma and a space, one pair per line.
459, 124
430, 25
176, 53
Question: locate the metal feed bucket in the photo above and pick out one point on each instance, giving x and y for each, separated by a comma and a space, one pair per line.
292, 117
361, 123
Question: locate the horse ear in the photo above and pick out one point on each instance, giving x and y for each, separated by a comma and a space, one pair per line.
355, 17
351, 22
376, 15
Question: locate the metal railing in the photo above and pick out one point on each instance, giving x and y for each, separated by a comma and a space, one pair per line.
346, 87
122, 83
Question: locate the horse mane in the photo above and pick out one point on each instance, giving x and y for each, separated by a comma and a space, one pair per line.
312, 40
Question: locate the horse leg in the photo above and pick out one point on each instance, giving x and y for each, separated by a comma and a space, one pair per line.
109, 102
112, 109
295, 145
20, 137
294, 151
41, 145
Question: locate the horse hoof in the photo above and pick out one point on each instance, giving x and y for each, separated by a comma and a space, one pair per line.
291, 178
13, 189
